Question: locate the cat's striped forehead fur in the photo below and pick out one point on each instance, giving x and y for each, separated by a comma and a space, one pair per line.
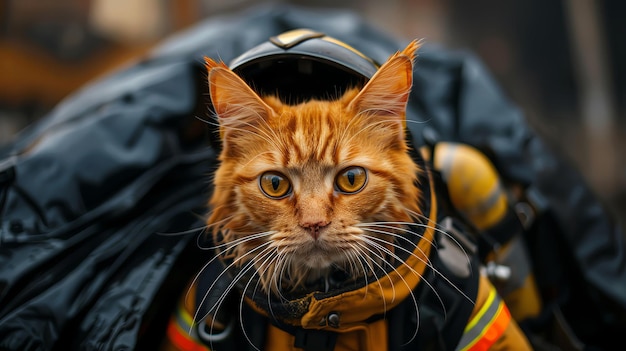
304, 152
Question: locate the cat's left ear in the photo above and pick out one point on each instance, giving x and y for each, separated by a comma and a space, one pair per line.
236, 104
387, 92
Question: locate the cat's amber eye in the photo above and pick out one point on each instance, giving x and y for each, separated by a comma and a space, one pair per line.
351, 179
274, 185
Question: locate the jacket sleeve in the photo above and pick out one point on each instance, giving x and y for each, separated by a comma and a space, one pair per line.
490, 326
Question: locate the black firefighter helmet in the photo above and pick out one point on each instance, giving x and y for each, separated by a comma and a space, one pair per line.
302, 64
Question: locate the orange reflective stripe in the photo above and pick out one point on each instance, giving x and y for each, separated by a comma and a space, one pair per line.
487, 326
493, 331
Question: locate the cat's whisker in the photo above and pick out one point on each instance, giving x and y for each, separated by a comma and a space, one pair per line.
374, 241
273, 262
218, 303
272, 256
279, 141
268, 293
418, 122
252, 159
276, 276
201, 230
209, 122
362, 248
222, 298
268, 254
264, 282
258, 132
410, 289
260, 261
370, 126
272, 283
420, 219
393, 234
269, 134
249, 263
281, 273
236, 242
351, 122
258, 273
398, 236
217, 256
222, 220
353, 265
443, 232
242, 300
354, 255
402, 229
435, 270
197, 276
377, 111
201, 238
381, 258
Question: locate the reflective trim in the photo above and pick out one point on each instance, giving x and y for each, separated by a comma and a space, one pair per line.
184, 319
487, 326
178, 331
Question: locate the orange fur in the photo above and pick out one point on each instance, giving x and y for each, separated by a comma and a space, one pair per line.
310, 144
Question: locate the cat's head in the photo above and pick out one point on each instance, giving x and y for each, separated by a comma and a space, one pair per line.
302, 190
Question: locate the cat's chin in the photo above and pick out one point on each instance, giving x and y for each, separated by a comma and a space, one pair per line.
317, 261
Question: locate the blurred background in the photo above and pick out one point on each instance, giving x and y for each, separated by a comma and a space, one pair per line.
560, 61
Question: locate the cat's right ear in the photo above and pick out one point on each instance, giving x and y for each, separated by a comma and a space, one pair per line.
236, 104
387, 92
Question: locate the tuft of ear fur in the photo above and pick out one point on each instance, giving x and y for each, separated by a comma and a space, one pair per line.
236, 104
387, 92
210, 63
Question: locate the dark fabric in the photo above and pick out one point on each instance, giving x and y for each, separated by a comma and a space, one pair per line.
444, 304
86, 192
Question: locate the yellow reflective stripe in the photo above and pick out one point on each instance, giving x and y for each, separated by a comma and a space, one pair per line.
484, 330
184, 318
486, 326
481, 312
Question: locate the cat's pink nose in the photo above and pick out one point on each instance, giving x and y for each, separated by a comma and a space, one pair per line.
314, 227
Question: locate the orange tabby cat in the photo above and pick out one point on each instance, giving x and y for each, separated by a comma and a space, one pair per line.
305, 180
323, 220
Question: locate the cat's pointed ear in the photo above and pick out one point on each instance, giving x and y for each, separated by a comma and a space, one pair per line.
236, 104
387, 92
